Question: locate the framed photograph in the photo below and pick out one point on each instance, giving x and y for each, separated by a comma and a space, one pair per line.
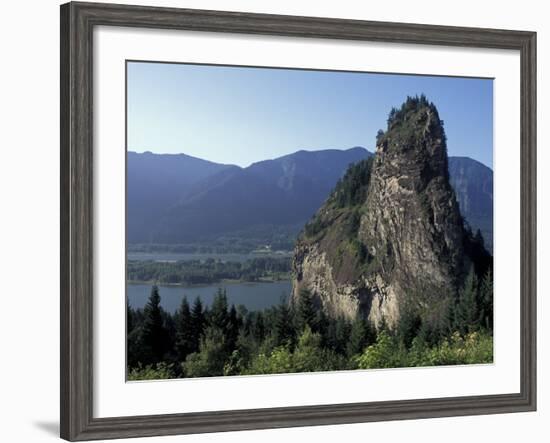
272, 221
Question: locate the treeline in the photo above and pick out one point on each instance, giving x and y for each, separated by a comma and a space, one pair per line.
198, 341
191, 272
352, 189
280, 238
350, 192
411, 105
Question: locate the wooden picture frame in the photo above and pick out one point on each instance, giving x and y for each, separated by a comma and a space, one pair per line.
77, 23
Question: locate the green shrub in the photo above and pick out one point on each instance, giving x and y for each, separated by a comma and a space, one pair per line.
387, 352
210, 360
309, 356
159, 371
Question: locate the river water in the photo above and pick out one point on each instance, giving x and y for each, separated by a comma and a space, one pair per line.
254, 296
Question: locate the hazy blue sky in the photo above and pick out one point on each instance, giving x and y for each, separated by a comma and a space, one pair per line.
243, 115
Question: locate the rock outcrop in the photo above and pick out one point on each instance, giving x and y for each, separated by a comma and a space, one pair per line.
390, 237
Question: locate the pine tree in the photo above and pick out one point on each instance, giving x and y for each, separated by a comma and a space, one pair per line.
184, 331
321, 324
248, 323
306, 311
360, 336
154, 335
337, 335
170, 333
467, 310
197, 324
258, 328
233, 325
284, 332
218, 317
449, 319
409, 326
486, 300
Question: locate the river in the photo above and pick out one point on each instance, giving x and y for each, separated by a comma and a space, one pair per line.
254, 296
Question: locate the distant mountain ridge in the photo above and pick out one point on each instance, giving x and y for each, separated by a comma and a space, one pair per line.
177, 199
155, 182
473, 185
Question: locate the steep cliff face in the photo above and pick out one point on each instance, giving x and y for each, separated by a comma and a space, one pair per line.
390, 237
